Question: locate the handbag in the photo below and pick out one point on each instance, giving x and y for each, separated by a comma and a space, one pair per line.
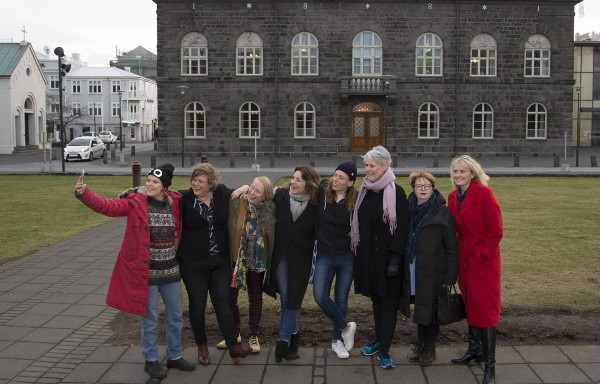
450, 307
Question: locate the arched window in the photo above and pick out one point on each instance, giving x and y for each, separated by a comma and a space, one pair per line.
195, 121
305, 54
483, 121
429, 121
536, 121
429, 55
483, 55
249, 120
367, 54
249, 47
194, 54
537, 56
304, 121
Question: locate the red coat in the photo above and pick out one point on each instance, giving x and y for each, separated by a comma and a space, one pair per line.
479, 231
128, 288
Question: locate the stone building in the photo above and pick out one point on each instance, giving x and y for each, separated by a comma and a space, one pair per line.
326, 77
587, 79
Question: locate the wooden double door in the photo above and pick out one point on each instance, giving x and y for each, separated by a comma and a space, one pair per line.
367, 127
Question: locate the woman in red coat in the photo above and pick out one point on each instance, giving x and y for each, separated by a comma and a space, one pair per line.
479, 229
146, 265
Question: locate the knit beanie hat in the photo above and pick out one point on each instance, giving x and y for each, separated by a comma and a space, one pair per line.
164, 172
349, 169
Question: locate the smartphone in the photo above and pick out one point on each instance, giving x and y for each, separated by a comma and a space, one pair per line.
82, 176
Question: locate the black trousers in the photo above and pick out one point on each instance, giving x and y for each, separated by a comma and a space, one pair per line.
385, 313
427, 333
199, 282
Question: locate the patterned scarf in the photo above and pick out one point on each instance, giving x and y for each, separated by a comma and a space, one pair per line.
251, 252
385, 183
417, 214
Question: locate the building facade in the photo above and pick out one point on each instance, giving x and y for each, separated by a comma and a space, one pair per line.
587, 79
139, 61
332, 77
22, 99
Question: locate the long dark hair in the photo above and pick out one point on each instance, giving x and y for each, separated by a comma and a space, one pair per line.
351, 194
312, 179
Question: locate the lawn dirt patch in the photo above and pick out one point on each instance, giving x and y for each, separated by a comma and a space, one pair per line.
518, 326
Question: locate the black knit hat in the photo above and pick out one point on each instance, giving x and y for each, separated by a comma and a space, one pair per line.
164, 172
349, 169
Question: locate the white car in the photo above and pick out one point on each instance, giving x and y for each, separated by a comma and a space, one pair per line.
89, 134
108, 137
84, 148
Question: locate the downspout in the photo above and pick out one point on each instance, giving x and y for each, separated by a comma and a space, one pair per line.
456, 84
276, 149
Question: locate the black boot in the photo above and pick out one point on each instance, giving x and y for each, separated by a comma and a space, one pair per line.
428, 355
488, 342
295, 343
282, 350
416, 355
474, 351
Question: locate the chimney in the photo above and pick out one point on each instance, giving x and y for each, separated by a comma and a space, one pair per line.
128, 69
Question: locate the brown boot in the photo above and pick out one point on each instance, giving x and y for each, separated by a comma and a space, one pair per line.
203, 357
428, 354
237, 353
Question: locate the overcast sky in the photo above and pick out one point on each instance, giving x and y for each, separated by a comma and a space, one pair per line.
95, 29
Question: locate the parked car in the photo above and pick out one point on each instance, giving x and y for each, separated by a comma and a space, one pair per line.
108, 137
89, 134
84, 148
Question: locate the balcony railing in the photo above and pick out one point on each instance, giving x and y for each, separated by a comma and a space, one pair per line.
368, 85
134, 95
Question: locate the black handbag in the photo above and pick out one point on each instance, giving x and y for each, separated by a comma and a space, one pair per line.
450, 307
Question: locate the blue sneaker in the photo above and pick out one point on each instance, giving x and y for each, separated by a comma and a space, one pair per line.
370, 349
386, 360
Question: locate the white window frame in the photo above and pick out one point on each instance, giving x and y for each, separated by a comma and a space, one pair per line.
486, 116
76, 109
431, 113
367, 54
54, 108
115, 86
97, 107
195, 120
429, 55
246, 112
249, 55
115, 107
305, 114
194, 55
538, 52
536, 116
305, 55
54, 81
484, 50
94, 87
76, 87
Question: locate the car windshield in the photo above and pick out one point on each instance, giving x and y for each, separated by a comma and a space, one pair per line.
80, 142
105, 133
87, 134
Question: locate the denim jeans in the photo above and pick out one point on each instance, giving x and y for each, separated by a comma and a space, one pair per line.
173, 298
287, 324
326, 267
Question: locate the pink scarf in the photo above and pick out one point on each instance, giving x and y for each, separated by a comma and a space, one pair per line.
386, 183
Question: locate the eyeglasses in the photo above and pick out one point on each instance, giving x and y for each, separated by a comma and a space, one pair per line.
423, 187
155, 172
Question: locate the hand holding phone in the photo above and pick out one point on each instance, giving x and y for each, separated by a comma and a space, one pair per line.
82, 176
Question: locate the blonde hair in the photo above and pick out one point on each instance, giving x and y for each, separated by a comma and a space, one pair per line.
212, 174
473, 166
412, 179
267, 185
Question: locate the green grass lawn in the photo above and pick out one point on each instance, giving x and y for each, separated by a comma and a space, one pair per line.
550, 249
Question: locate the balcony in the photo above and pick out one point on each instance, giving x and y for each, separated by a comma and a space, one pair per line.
368, 85
134, 95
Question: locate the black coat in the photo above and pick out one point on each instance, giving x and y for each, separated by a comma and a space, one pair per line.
333, 225
377, 245
295, 240
193, 250
436, 261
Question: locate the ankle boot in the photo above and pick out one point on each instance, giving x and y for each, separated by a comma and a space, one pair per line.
203, 357
428, 355
237, 353
295, 343
416, 355
283, 351
488, 342
474, 351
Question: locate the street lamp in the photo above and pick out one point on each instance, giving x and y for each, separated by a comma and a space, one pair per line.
386, 88
62, 71
578, 90
120, 92
183, 87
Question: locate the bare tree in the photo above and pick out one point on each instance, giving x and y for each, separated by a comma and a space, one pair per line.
70, 115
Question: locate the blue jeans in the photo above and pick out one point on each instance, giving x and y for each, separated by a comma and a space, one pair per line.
287, 324
173, 298
326, 267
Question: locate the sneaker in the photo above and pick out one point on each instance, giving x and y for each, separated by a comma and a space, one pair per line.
370, 349
339, 349
181, 364
348, 335
386, 360
254, 344
154, 369
223, 343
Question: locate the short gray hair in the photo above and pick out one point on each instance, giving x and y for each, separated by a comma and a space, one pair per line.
380, 155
